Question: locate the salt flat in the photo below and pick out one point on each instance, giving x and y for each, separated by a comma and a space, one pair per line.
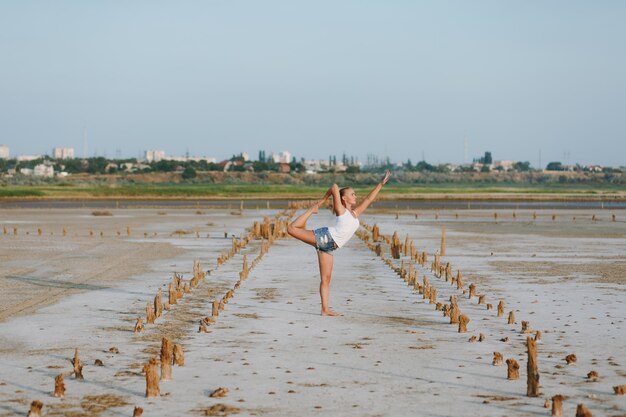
390, 354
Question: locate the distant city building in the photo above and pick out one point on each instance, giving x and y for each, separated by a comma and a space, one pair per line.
284, 167
507, 165
63, 153
191, 158
154, 155
245, 156
313, 166
281, 157
4, 152
44, 170
28, 157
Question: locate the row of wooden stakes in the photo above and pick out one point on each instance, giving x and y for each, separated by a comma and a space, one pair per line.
173, 354
451, 310
514, 216
273, 230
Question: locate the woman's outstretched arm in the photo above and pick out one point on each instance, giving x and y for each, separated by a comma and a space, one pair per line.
371, 196
338, 208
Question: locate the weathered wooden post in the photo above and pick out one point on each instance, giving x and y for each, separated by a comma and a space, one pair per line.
511, 317
463, 321
532, 379
158, 304
583, 411
442, 250
152, 378
139, 325
35, 409
150, 316
512, 371
78, 366
557, 406
179, 355
59, 386
167, 351
501, 308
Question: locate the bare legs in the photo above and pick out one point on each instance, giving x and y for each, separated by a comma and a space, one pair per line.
298, 230
326, 270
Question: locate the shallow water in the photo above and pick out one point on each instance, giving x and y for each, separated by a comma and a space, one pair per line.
277, 204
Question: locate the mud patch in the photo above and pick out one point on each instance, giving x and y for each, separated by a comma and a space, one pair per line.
496, 397
247, 315
95, 404
266, 293
606, 273
218, 410
405, 321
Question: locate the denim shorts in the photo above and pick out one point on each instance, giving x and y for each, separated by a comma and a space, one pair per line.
323, 240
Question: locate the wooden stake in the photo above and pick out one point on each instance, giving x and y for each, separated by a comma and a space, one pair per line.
215, 311
59, 386
463, 321
472, 291
501, 308
152, 378
167, 351
150, 316
139, 325
455, 312
532, 380
459, 280
138, 411
158, 304
498, 360
407, 246
538, 336
557, 406
583, 411
78, 366
481, 299
442, 250
511, 317
525, 326
179, 355
433, 296
35, 409
512, 371
570, 359
172, 294
619, 389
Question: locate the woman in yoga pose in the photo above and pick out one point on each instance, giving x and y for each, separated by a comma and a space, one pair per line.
328, 239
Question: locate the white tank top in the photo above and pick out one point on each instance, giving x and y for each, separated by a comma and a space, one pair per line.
344, 228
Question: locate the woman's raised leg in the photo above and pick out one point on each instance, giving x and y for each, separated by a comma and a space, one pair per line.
326, 271
297, 228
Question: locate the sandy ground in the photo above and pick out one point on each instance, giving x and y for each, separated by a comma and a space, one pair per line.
390, 354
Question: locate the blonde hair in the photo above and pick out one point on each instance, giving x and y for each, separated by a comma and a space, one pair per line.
342, 191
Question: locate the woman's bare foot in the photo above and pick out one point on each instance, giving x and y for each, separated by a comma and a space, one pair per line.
330, 312
316, 206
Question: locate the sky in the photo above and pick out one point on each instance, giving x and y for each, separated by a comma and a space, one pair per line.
531, 80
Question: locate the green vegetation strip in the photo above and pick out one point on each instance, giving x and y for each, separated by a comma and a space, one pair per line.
269, 191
